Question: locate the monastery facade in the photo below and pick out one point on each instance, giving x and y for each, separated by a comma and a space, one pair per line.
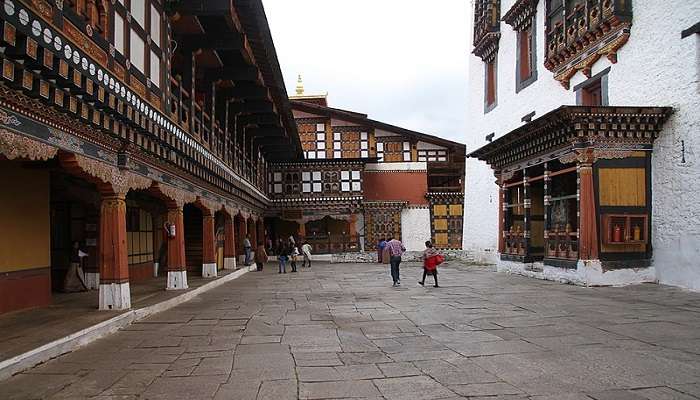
583, 146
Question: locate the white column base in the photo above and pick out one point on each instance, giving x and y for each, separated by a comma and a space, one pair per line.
209, 270
230, 263
92, 280
115, 296
177, 280
156, 266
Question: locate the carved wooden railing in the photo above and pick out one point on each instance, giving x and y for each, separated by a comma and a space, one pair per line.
514, 243
561, 244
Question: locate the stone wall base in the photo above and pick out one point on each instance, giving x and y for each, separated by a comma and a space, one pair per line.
209, 270
229, 262
177, 280
115, 296
586, 273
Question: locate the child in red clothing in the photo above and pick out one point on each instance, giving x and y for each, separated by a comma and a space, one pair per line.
431, 259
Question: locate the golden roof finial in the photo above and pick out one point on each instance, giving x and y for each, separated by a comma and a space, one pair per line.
300, 86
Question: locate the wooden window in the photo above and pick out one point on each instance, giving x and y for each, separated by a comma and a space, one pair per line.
316, 180
525, 54
155, 69
139, 236
490, 84
138, 12
380, 151
592, 95
622, 187
364, 145
137, 51
406, 151
432, 155
155, 26
350, 181
119, 33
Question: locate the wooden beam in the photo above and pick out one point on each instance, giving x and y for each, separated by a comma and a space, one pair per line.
198, 7
225, 41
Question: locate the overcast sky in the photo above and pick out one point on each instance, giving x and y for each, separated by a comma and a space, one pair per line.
403, 62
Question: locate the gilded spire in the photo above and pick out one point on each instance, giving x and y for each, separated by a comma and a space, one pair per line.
300, 86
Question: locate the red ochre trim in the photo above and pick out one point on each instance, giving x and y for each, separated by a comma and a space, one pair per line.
396, 186
25, 289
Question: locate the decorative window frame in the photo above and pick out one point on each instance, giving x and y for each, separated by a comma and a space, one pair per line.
584, 34
601, 77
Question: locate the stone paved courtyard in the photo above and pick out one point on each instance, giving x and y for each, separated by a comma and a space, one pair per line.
340, 331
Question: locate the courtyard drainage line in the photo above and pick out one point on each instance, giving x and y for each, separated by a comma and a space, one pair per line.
72, 342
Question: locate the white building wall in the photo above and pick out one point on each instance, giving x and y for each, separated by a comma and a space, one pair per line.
415, 228
656, 68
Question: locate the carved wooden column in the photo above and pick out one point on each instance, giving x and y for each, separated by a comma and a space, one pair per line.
501, 215
229, 244
208, 247
588, 227
547, 201
177, 269
114, 290
527, 224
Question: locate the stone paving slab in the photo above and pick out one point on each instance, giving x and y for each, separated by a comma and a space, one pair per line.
342, 332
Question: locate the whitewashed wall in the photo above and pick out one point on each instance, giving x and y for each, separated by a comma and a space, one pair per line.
415, 228
656, 68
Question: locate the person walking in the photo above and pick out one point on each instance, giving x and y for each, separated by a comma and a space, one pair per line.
282, 256
431, 259
294, 254
380, 249
246, 249
396, 250
260, 257
306, 252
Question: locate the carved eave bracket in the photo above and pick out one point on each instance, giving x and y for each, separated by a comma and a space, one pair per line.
487, 48
13, 146
521, 14
589, 33
179, 196
487, 29
120, 181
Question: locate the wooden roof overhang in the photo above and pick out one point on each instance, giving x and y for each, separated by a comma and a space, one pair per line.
361, 119
235, 51
569, 128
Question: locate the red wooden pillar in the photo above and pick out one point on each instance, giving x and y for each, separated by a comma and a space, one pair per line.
114, 291
177, 269
229, 244
208, 246
588, 238
253, 232
501, 217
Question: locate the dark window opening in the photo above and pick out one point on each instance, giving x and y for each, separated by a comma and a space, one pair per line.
592, 95
490, 84
525, 54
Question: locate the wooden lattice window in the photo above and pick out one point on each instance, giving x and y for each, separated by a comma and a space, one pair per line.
139, 235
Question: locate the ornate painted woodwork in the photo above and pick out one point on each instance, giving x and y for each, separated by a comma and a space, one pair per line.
587, 172
579, 32
447, 219
382, 220
520, 15
487, 29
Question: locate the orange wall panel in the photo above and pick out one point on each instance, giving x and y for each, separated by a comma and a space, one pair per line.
396, 186
24, 218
